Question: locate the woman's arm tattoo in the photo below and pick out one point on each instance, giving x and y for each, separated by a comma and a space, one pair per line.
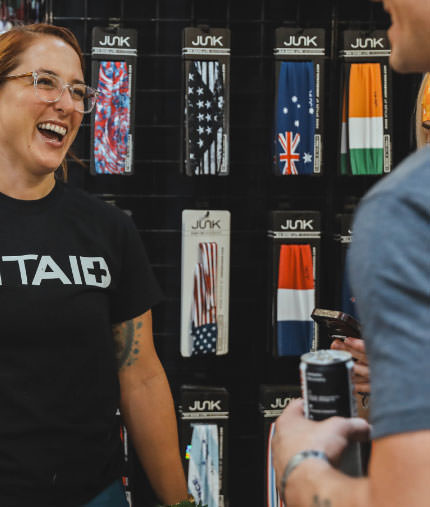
127, 337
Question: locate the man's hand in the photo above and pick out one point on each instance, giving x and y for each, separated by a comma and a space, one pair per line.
295, 433
356, 347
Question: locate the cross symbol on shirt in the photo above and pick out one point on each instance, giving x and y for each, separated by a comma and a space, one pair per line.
97, 272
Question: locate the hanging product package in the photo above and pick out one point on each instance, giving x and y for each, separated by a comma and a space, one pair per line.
113, 69
344, 297
206, 91
366, 104
127, 473
294, 265
205, 282
22, 13
299, 100
203, 430
273, 400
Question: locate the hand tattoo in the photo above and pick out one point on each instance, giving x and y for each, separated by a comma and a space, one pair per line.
318, 502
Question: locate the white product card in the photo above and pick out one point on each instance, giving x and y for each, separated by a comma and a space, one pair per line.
202, 229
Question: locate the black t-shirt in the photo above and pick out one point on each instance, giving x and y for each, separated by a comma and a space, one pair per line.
70, 267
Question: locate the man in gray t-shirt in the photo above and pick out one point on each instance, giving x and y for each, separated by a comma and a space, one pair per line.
389, 268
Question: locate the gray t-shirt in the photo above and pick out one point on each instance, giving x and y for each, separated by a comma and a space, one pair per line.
389, 269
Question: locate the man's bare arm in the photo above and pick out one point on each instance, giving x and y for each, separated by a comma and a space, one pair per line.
398, 470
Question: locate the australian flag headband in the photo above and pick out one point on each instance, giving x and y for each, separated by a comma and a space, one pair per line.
295, 119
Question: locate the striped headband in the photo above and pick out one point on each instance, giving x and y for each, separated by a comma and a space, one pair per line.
362, 135
295, 300
204, 317
273, 497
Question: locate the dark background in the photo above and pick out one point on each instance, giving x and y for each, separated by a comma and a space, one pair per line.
157, 192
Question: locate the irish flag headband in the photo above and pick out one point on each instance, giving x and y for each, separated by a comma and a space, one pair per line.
362, 120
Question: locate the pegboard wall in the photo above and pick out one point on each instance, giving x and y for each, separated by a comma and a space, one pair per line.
157, 192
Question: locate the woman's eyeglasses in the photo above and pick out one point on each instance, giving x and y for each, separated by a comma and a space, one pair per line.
50, 88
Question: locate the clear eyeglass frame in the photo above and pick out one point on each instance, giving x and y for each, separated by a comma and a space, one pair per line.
49, 88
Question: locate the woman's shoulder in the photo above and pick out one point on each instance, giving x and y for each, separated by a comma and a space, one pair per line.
91, 208
92, 202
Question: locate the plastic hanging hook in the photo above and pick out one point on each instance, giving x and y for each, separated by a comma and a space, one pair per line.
204, 28
114, 24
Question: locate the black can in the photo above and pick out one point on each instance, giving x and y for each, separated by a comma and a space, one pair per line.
327, 388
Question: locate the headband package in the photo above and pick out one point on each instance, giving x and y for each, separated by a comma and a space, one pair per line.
366, 104
344, 297
113, 69
273, 400
299, 98
294, 265
205, 282
127, 477
203, 430
206, 90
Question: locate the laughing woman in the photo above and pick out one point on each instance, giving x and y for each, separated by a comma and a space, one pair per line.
76, 292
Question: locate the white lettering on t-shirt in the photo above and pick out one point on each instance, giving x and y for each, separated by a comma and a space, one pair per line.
95, 271
46, 261
75, 269
21, 264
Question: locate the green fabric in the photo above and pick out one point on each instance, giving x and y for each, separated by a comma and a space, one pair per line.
366, 161
344, 166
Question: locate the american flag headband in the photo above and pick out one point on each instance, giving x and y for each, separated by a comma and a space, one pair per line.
205, 117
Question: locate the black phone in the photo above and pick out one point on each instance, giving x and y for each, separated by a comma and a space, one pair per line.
338, 324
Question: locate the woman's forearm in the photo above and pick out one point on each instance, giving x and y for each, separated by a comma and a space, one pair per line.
149, 415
